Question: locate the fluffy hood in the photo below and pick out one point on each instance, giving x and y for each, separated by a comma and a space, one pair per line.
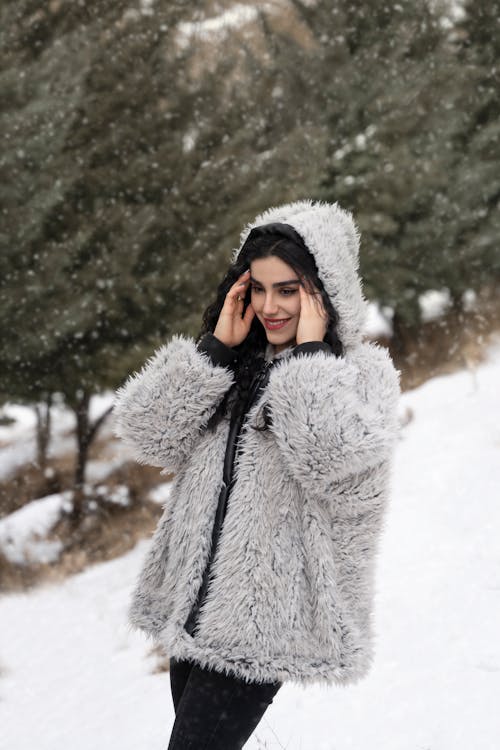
331, 235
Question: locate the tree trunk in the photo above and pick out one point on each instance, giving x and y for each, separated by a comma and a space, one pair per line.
85, 434
43, 425
398, 337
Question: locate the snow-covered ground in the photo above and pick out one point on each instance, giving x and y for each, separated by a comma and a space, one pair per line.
72, 674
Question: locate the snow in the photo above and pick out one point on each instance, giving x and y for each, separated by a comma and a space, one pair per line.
232, 18
70, 663
189, 140
147, 7
97, 470
434, 303
22, 532
160, 493
469, 300
119, 495
378, 320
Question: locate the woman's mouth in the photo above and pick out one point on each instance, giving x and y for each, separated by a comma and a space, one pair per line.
274, 325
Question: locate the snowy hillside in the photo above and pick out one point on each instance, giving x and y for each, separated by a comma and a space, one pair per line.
72, 675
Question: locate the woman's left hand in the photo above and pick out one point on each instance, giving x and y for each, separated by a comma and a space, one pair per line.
313, 320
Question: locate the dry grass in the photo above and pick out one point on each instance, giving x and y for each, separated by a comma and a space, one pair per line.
162, 660
26, 484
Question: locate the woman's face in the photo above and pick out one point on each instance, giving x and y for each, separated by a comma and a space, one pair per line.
275, 298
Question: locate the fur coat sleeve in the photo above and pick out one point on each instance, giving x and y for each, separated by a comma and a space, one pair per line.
334, 417
161, 410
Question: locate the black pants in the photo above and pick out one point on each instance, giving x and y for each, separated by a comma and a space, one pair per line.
214, 711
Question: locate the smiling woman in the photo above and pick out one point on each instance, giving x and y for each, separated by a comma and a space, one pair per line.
279, 423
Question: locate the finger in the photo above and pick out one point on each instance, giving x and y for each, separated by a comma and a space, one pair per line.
249, 315
311, 289
320, 306
232, 303
238, 289
305, 298
303, 282
312, 302
244, 278
314, 295
306, 283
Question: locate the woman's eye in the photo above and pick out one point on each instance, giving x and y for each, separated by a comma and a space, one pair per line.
285, 292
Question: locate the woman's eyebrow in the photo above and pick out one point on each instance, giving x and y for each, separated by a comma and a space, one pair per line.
278, 283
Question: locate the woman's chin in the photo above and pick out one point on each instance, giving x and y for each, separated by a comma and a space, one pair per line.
280, 342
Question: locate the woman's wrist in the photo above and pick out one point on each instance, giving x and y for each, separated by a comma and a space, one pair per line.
222, 341
220, 354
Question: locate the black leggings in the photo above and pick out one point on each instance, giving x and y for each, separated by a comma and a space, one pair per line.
214, 711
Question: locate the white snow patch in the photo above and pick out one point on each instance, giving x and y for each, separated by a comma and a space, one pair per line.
434, 303
97, 470
22, 533
161, 493
146, 7
378, 320
120, 495
232, 18
469, 300
189, 139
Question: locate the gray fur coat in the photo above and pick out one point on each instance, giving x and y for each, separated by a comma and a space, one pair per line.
292, 585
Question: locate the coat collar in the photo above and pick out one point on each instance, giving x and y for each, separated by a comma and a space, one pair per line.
269, 354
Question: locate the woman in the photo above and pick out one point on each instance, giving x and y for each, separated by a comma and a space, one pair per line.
279, 423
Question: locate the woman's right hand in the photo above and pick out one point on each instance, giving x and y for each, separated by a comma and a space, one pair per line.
231, 327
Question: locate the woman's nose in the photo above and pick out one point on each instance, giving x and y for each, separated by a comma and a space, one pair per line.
270, 306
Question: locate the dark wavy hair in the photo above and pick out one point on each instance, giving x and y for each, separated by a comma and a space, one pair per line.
251, 350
